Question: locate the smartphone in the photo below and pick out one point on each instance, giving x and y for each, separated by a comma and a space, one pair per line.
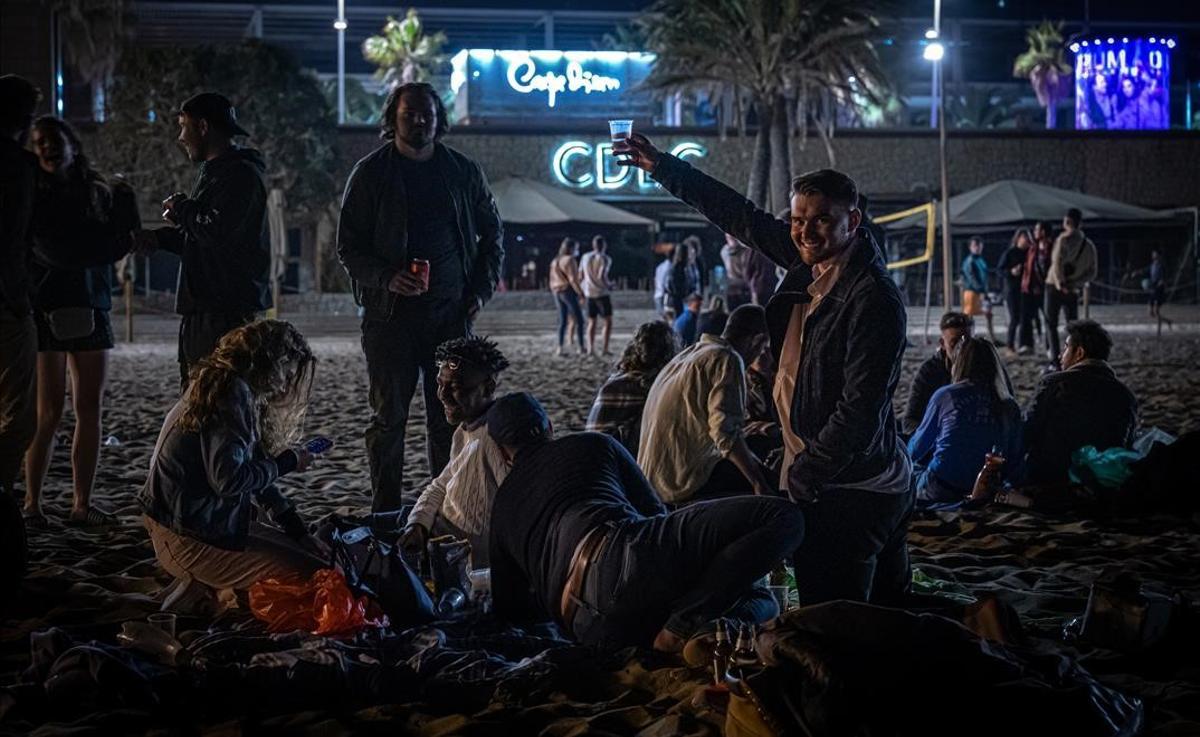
318, 445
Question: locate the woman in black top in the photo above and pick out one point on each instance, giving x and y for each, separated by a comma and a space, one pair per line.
80, 227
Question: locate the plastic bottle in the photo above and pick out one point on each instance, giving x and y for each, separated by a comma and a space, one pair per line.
722, 654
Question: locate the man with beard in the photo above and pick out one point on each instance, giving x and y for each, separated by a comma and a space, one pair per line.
421, 240
837, 331
459, 501
219, 231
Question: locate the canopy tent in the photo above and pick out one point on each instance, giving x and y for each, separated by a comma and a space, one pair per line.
527, 202
1011, 202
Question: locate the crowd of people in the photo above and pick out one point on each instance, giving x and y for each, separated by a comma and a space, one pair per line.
770, 437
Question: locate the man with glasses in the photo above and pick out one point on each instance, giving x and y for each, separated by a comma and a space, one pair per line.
458, 501
421, 239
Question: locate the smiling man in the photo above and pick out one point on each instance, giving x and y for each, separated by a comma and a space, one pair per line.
421, 239
459, 500
837, 329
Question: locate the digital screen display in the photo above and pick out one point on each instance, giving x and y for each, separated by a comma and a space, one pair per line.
1122, 83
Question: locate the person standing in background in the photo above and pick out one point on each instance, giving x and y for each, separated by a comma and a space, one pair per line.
422, 242
737, 257
1072, 266
974, 273
1012, 267
662, 280
567, 290
598, 290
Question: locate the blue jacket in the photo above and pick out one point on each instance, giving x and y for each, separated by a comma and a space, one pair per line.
975, 273
685, 327
960, 427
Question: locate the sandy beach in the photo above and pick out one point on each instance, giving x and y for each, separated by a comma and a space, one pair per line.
1042, 566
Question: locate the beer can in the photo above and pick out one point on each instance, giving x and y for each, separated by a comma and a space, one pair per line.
420, 267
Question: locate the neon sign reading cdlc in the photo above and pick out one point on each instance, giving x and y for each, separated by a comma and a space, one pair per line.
603, 172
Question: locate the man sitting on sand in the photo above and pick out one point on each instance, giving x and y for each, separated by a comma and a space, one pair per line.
693, 444
934, 372
578, 536
1084, 404
617, 410
459, 501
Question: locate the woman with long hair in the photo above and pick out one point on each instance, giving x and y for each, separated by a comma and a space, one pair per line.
617, 409
1033, 285
1011, 266
568, 291
963, 422
221, 449
81, 226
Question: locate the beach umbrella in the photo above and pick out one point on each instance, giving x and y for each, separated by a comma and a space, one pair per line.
1011, 202
527, 202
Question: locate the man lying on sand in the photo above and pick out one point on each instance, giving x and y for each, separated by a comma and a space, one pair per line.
221, 449
459, 501
578, 536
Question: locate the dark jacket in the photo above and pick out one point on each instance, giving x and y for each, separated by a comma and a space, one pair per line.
850, 364
18, 169
222, 237
203, 484
932, 374
80, 228
372, 240
1084, 405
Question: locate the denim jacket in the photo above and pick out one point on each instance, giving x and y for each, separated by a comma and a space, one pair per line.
372, 239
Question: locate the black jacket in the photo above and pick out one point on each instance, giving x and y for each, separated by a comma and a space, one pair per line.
931, 375
18, 169
80, 227
222, 238
850, 364
372, 240
1084, 405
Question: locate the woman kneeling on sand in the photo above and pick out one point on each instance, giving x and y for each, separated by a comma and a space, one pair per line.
219, 453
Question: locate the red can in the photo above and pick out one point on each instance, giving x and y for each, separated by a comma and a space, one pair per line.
420, 267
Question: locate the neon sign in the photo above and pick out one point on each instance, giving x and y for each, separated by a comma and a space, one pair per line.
1123, 83
510, 85
582, 165
521, 77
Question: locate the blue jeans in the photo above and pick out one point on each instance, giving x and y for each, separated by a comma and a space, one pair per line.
681, 570
568, 306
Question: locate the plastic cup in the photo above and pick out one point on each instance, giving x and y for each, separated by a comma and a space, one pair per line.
780, 594
620, 129
165, 621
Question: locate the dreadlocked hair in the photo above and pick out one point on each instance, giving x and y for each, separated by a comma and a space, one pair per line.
273, 358
475, 350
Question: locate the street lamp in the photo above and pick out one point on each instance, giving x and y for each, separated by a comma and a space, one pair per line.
935, 52
341, 25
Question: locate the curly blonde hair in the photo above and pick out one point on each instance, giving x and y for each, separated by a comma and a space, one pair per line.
273, 358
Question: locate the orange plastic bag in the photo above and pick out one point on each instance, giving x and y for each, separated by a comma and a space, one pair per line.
322, 604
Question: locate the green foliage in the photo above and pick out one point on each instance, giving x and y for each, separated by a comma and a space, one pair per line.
282, 106
1044, 50
980, 107
404, 52
361, 105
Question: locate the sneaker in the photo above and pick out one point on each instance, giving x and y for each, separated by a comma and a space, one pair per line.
92, 519
1024, 350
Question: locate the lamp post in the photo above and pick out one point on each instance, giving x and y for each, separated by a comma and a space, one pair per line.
340, 24
935, 52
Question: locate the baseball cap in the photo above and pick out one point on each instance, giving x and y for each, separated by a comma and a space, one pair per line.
517, 419
216, 109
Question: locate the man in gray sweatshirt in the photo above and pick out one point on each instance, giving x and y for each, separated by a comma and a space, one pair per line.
1072, 265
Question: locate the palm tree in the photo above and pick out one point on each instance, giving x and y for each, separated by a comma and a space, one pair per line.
93, 33
404, 52
791, 62
1043, 64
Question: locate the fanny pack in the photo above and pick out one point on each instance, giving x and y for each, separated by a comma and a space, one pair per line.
69, 323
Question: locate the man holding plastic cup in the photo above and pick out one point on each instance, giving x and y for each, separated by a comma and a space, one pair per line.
422, 242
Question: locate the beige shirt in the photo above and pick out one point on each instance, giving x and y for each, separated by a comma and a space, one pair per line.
693, 417
564, 273
462, 493
825, 276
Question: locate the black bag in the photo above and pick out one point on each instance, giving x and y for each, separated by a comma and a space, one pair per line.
374, 568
